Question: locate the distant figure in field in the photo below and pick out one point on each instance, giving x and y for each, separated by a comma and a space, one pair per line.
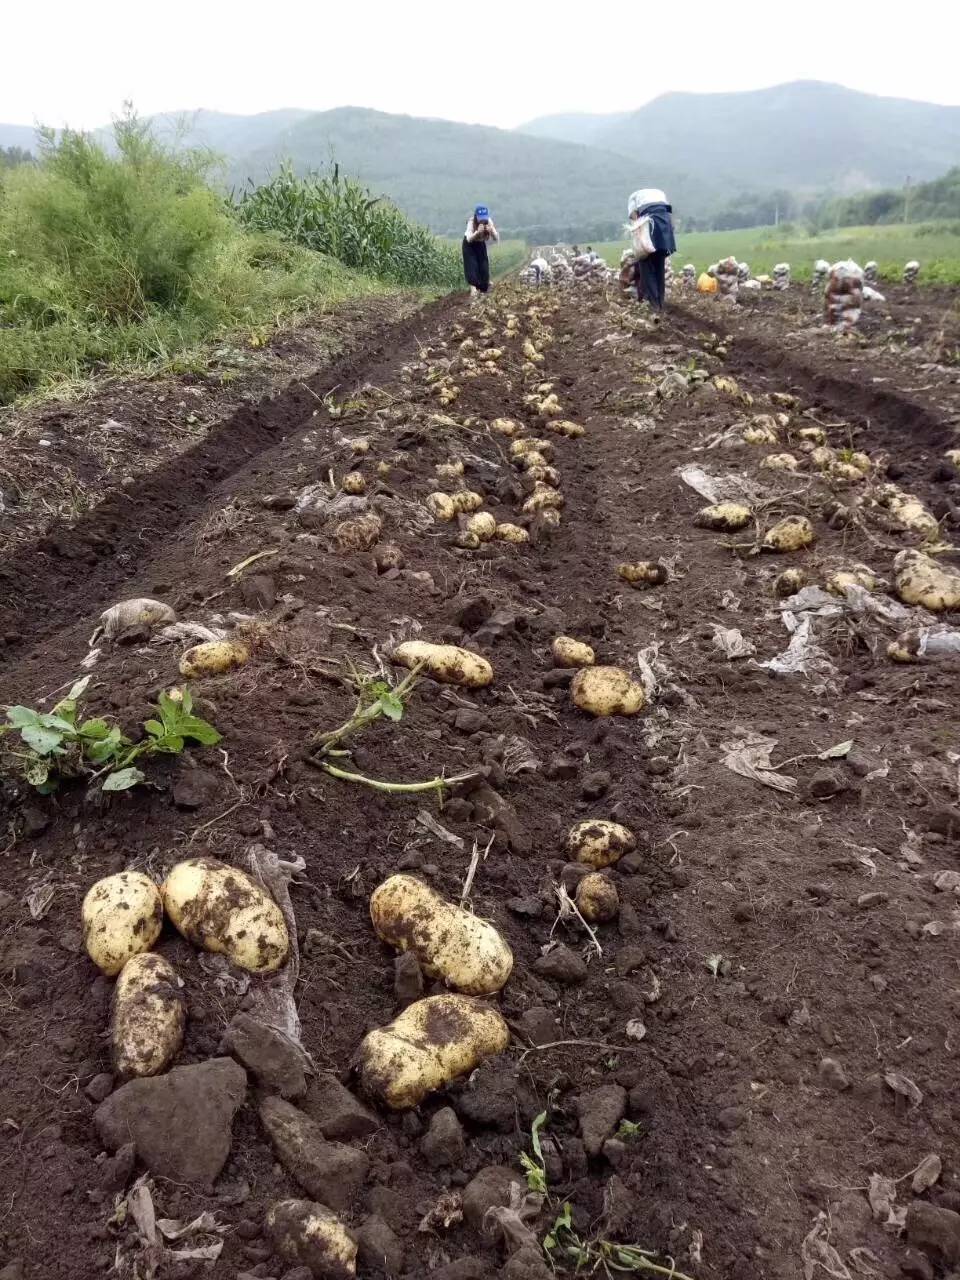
476, 264
651, 231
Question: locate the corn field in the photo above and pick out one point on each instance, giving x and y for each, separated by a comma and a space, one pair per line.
338, 216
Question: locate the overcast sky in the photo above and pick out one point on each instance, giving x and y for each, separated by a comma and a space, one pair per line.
491, 63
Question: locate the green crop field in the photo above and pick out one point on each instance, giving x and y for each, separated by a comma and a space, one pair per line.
936, 246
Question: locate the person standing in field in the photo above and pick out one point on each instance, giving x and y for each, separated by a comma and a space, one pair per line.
651, 231
476, 264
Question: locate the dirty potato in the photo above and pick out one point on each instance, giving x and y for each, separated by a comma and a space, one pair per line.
482, 525
780, 462
568, 652
505, 426
445, 662
148, 1016
859, 576
213, 658
759, 435
465, 500
430, 1044
360, 534
451, 943
308, 1235
449, 470
512, 533
441, 506
597, 898
598, 843
572, 430
812, 436
354, 482
607, 691
121, 916
789, 583
920, 580
723, 516
542, 499
792, 533
643, 573
388, 556
221, 909
532, 444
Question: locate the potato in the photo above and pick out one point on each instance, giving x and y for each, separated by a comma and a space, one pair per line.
860, 576
548, 518
785, 399
823, 457
468, 541
728, 386
482, 525
451, 943
531, 352
953, 456
789, 583
465, 500
449, 470
430, 1044
542, 474
780, 462
910, 512
643, 573
597, 842
721, 516
920, 580
572, 430
607, 691
861, 461
789, 534
905, 648
148, 1016
221, 909
759, 435
360, 446
846, 473
383, 469
445, 662
533, 458
213, 658
354, 482
812, 435
134, 613
441, 506
568, 652
505, 426
388, 556
360, 534
121, 916
597, 898
309, 1235
511, 533
518, 448
542, 498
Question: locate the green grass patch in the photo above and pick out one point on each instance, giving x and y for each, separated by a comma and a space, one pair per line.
935, 245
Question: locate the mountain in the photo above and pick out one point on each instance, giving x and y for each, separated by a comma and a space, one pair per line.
19, 135
802, 136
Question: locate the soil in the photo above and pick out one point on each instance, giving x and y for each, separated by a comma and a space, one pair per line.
783, 967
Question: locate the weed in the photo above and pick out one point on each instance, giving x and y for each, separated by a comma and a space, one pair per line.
562, 1244
60, 744
534, 1166
629, 1129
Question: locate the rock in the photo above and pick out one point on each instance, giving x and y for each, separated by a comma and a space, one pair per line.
489, 1100
934, 1230
557, 679
473, 612
561, 965
407, 978
629, 959
468, 720
538, 1025
289, 1223
832, 1074
620, 1210
561, 768
180, 1123
868, 900
191, 789
378, 1248
731, 1118
277, 1065
600, 1111
492, 811
336, 1112
117, 1171
945, 822
531, 906
595, 785
330, 1172
443, 1145
825, 784
489, 1188
100, 1087
35, 821
500, 623
258, 592
527, 1264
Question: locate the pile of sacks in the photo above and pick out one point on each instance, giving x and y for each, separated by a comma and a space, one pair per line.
843, 299
871, 274
781, 276
910, 272
688, 277
590, 268
743, 272
727, 276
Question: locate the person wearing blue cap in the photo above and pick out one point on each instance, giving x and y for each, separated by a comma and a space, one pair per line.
479, 233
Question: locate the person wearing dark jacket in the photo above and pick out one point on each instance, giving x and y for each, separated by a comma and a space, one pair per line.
476, 265
651, 223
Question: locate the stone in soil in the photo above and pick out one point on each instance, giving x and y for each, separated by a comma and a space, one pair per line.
832, 1074
258, 592
595, 785
330, 1172
443, 1145
539, 1025
100, 1087
117, 1171
934, 1230
276, 1064
600, 1111
561, 965
527, 1264
378, 1249
336, 1111
407, 978
180, 1123
490, 1188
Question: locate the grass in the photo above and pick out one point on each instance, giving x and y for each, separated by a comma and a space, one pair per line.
936, 246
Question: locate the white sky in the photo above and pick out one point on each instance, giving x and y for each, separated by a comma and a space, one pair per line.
70, 62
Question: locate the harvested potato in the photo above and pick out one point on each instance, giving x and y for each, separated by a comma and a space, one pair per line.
920, 580
468, 541
597, 842
860, 576
861, 461
354, 482
846, 473
465, 501
823, 457
759, 435
213, 658
784, 399
511, 533
531, 352
445, 662
780, 462
532, 458
309, 1235
449, 470
505, 426
643, 573
549, 407
728, 516
467, 953
789, 583
597, 898
572, 430
910, 512
360, 446
430, 1044
548, 518
148, 1016
789, 534
360, 534
518, 448
540, 473
134, 613
388, 556
442, 507
812, 436
121, 916
383, 469
953, 456
482, 525
221, 909
607, 691
728, 386
568, 652
543, 497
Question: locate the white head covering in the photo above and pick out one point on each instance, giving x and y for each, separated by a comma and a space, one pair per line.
646, 195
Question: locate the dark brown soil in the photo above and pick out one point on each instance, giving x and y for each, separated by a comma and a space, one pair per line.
785, 951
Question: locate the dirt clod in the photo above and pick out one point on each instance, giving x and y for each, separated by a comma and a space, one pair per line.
329, 1171
600, 1111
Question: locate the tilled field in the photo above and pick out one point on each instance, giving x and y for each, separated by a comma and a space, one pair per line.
750, 1071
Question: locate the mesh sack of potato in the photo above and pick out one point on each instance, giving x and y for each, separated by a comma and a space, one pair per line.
843, 297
